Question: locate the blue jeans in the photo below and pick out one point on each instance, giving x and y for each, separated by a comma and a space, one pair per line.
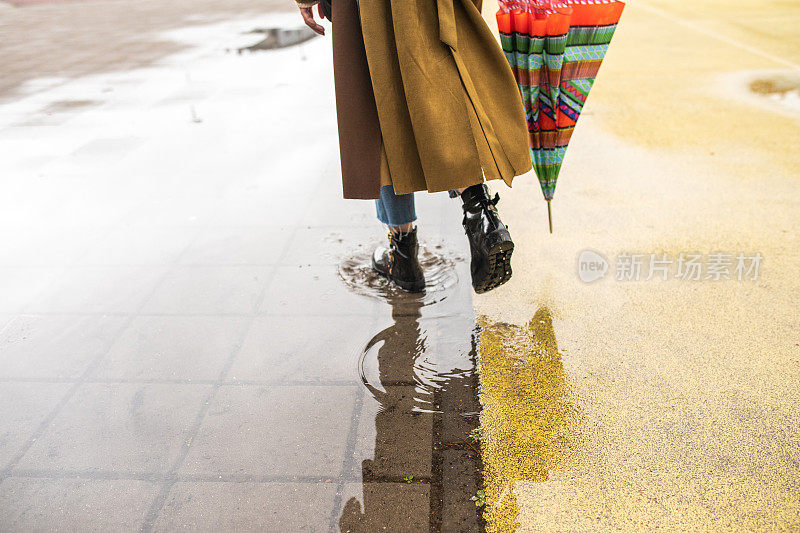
397, 209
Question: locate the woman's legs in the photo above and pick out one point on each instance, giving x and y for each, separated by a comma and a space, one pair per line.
399, 262
490, 242
396, 210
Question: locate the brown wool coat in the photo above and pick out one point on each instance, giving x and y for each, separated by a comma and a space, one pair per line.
425, 99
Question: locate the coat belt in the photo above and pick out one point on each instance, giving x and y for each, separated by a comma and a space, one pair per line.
447, 22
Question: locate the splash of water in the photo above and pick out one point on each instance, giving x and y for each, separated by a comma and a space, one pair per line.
440, 275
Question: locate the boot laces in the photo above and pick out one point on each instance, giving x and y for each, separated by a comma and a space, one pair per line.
394, 248
486, 204
491, 201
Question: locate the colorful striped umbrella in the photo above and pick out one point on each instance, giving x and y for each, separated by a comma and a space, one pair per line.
555, 48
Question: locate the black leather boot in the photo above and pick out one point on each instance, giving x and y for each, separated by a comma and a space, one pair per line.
489, 239
399, 262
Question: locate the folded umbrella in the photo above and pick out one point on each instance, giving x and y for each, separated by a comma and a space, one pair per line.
555, 49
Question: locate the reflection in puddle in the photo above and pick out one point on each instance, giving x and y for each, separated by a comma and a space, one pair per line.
531, 420
405, 354
421, 373
422, 470
440, 275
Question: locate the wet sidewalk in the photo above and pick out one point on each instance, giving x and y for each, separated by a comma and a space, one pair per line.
190, 337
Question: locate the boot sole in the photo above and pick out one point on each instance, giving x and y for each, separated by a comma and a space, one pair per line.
499, 264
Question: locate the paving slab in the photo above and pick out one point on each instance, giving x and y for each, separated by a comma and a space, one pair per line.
117, 428
323, 293
278, 431
55, 346
209, 290
211, 506
97, 290
395, 440
24, 407
34, 245
321, 245
385, 506
74, 504
21, 285
237, 246
180, 348
171, 211
128, 246
459, 486
274, 352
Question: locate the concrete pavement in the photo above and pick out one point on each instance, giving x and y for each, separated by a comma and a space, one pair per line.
161, 246
181, 345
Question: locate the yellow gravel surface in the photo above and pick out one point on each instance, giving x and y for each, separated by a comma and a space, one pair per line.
658, 404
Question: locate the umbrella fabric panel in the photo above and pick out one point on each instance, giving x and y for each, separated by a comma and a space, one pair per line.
555, 50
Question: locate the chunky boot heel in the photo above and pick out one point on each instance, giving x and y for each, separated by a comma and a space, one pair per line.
489, 239
399, 262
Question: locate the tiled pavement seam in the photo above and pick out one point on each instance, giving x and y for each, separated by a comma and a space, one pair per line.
349, 459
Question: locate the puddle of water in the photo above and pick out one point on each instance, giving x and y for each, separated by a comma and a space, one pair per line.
438, 265
778, 84
778, 90
782, 89
57, 112
531, 420
421, 374
279, 38
417, 353
68, 105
